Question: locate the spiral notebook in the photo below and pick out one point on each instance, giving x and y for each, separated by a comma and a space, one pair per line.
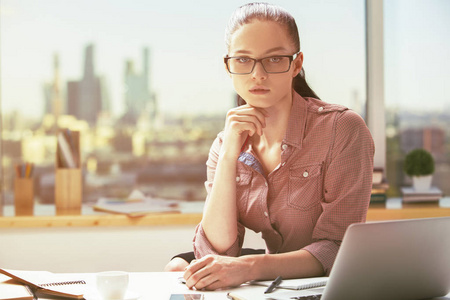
11, 290
47, 283
286, 290
296, 284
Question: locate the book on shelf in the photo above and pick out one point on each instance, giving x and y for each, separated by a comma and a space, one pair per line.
376, 198
136, 207
46, 283
378, 175
378, 193
381, 186
409, 194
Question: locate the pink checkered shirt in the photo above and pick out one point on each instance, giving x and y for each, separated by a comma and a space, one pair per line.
321, 186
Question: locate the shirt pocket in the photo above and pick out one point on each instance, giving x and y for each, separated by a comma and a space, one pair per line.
305, 186
243, 182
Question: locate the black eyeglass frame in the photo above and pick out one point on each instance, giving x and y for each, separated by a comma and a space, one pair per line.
291, 58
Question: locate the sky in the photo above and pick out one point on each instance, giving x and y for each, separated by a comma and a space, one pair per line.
186, 48
417, 54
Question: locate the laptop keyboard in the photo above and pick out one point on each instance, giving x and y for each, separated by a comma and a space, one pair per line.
310, 297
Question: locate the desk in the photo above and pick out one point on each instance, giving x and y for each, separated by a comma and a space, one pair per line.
159, 286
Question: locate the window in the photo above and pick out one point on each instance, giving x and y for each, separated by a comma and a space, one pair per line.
417, 73
145, 85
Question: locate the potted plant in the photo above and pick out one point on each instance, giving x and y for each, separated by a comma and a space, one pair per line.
419, 164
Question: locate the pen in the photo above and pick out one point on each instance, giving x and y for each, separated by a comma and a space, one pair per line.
31, 292
273, 285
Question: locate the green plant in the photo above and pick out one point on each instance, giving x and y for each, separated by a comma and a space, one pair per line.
419, 162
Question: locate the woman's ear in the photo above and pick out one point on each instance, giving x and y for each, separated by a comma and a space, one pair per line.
298, 64
226, 69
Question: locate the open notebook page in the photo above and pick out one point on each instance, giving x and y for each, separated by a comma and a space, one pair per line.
49, 283
11, 290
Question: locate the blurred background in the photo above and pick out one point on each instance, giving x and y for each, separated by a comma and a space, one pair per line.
144, 83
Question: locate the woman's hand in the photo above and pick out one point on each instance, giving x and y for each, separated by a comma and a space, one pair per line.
241, 122
213, 272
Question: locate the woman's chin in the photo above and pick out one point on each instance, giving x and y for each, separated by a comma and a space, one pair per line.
259, 103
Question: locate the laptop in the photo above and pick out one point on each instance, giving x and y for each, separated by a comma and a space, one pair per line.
406, 259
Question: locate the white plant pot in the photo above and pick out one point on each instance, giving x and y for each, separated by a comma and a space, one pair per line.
422, 183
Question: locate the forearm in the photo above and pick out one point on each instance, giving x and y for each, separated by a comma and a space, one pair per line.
295, 264
219, 216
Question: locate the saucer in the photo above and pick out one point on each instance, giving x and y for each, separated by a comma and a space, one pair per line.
129, 295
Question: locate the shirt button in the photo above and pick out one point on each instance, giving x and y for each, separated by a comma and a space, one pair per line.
266, 214
320, 108
284, 147
238, 179
305, 174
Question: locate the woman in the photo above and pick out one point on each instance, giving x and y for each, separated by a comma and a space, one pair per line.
287, 164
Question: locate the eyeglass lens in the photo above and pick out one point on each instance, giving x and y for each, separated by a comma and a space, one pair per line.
245, 65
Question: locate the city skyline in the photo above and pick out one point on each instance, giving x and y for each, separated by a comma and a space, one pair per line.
186, 45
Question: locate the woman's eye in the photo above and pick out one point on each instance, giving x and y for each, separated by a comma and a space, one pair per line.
243, 60
275, 59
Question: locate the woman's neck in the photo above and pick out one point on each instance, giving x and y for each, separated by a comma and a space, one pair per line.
276, 126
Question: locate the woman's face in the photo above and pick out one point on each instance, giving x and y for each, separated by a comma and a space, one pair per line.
260, 39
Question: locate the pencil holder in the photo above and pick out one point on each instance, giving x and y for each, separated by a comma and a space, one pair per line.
24, 196
68, 191
68, 179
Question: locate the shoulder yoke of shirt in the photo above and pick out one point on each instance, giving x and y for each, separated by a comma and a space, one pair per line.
321, 107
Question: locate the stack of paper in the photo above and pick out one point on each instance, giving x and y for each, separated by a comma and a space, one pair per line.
411, 195
136, 205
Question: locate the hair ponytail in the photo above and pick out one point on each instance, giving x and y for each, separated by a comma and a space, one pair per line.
300, 85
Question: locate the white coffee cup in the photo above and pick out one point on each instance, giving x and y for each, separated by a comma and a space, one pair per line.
112, 285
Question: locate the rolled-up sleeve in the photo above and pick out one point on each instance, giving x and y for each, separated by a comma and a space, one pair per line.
202, 246
347, 186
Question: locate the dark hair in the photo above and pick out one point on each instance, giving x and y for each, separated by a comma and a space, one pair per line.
268, 12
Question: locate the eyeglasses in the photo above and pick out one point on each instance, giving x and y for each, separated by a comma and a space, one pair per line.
272, 65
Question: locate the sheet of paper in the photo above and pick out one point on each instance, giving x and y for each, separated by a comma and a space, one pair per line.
10, 290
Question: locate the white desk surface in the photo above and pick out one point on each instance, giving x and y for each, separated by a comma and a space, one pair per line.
149, 286
160, 285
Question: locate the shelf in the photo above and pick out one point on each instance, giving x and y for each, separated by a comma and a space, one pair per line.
394, 209
191, 214
101, 220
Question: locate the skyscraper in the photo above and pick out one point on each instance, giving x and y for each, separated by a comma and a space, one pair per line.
138, 96
84, 97
52, 92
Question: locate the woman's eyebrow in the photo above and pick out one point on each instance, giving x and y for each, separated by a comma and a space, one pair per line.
267, 52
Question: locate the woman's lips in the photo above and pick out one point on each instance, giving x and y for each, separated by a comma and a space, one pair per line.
259, 91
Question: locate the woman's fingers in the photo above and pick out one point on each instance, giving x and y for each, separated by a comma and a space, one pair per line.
193, 267
258, 113
200, 274
242, 123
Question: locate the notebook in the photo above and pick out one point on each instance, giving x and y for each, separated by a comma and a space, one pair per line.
11, 290
390, 260
295, 284
47, 283
136, 208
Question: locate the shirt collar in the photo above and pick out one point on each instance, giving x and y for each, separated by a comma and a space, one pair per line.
297, 121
